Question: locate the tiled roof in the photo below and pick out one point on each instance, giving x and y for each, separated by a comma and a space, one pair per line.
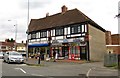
8, 44
21, 44
61, 19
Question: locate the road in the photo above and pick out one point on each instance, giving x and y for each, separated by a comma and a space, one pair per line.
57, 69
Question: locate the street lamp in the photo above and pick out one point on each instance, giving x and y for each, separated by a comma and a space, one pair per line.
15, 33
27, 32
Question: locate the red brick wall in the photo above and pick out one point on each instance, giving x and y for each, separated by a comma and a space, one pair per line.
115, 49
115, 39
108, 38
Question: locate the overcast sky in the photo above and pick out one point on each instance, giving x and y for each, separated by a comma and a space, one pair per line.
100, 11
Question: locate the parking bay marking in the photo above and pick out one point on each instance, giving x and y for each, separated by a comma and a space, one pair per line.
21, 70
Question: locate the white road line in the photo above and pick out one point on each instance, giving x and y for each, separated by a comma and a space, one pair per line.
21, 70
88, 72
36, 75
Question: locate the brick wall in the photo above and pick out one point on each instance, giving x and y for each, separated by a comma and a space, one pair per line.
108, 38
115, 39
113, 49
97, 44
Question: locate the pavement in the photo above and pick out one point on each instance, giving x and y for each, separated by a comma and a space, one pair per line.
35, 61
69, 68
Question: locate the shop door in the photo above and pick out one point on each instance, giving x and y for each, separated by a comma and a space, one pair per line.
83, 54
65, 51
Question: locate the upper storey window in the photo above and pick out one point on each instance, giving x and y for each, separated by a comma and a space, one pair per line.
59, 31
75, 29
43, 34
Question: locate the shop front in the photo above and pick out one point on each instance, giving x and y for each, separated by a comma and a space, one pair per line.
56, 46
73, 49
78, 50
35, 50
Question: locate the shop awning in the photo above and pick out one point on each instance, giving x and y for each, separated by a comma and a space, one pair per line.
38, 45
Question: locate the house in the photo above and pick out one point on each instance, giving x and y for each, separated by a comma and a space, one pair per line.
7, 46
70, 33
21, 47
113, 43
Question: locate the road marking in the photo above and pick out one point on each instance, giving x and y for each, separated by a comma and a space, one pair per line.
88, 72
36, 75
21, 65
21, 70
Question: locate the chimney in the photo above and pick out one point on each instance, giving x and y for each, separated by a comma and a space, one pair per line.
64, 9
47, 14
26, 41
22, 41
108, 38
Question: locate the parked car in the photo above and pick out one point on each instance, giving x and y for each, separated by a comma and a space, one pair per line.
13, 56
1, 55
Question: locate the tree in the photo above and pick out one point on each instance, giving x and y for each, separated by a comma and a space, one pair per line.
11, 40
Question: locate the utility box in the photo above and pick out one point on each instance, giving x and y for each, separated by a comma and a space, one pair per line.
110, 60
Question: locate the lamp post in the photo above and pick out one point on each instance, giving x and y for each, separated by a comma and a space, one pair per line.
27, 33
15, 33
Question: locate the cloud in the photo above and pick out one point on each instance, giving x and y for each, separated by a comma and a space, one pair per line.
33, 4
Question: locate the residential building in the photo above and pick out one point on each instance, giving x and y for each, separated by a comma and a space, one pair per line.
113, 43
7, 46
70, 33
21, 47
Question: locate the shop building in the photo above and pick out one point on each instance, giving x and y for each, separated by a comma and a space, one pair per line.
70, 33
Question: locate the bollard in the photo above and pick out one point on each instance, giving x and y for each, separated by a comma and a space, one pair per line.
39, 59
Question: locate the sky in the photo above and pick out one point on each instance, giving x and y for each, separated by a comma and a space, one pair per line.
14, 14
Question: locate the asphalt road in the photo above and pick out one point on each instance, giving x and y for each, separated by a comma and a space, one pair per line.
55, 69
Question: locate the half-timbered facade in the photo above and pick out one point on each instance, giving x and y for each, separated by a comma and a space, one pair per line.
70, 33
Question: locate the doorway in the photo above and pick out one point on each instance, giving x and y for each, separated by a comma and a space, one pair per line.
83, 53
65, 52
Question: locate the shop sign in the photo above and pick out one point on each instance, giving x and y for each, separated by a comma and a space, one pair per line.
65, 41
76, 40
56, 43
74, 44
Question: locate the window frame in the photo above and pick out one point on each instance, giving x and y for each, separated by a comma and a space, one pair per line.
33, 35
78, 29
74, 29
43, 34
59, 31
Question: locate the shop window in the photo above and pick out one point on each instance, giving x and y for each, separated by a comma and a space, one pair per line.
74, 50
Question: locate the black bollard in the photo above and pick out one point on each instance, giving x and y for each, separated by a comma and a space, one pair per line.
39, 59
